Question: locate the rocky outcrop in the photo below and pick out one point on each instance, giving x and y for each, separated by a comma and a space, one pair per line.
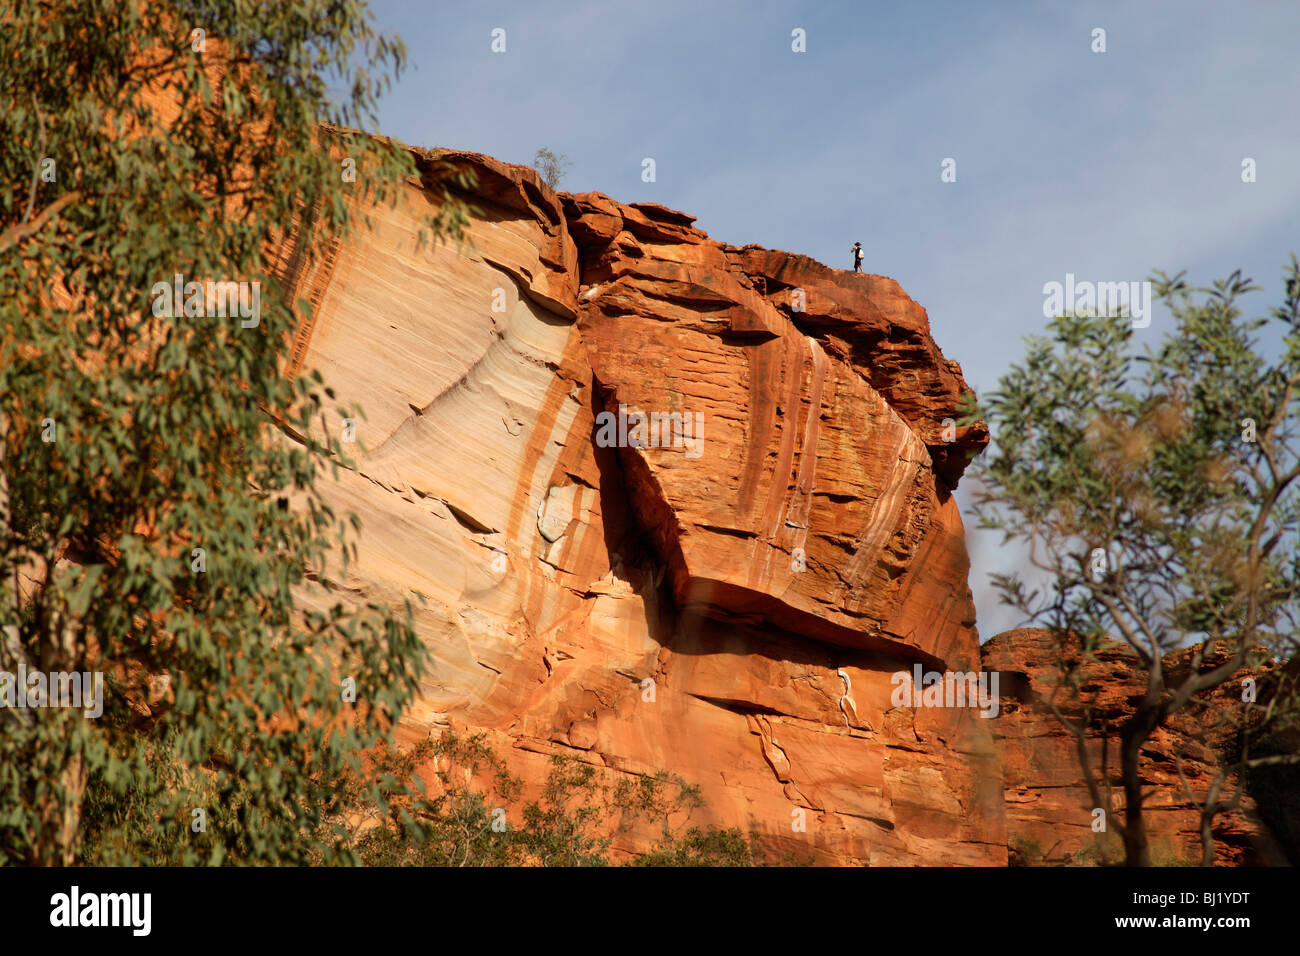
809, 501
665, 504
1050, 817
725, 596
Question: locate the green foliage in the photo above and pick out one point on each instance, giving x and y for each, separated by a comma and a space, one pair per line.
1024, 851
703, 848
573, 822
1129, 475
1167, 853
1155, 493
176, 433
1104, 849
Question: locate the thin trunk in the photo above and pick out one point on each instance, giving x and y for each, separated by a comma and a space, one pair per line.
69, 830
1137, 850
1207, 839
1209, 808
60, 834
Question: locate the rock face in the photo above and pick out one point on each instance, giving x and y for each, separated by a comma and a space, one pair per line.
725, 596
1048, 807
662, 503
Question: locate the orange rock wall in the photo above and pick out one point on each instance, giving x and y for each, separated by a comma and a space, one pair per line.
731, 611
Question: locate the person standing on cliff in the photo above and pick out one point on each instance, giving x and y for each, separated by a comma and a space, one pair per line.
857, 256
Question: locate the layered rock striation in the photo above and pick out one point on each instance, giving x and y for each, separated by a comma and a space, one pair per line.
727, 598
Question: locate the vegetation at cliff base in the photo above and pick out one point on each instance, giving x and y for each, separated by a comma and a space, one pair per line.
477, 816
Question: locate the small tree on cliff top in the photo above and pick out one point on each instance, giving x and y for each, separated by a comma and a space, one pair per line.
1156, 495
552, 166
149, 455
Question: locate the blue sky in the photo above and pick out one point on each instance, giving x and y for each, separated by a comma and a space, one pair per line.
1106, 165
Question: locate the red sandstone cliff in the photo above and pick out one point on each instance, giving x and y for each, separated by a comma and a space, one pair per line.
769, 580
731, 606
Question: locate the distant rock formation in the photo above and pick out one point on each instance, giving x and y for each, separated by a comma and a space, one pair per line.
1049, 812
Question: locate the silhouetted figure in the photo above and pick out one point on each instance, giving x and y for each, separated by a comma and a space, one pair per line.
857, 256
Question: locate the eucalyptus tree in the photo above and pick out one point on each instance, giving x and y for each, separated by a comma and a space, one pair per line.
1154, 493
158, 500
